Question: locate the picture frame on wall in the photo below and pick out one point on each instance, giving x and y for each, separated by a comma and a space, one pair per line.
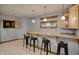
8, 24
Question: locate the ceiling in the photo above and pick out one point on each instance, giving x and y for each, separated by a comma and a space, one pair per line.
26, 9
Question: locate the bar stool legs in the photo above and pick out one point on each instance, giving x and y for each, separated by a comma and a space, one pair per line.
26, 42
34, 40
66, 50
33, 45
46, 44
62, 45
46, 49
58, 50
30, 44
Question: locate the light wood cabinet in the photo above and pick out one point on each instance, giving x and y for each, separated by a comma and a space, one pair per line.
74, 17
64, 23
50, 23
61, 23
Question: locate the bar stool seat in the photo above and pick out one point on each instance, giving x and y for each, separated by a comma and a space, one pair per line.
46, 43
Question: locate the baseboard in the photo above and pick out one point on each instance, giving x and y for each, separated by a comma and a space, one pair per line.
9, 41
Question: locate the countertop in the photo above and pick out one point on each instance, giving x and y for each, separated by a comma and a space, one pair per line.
56, 35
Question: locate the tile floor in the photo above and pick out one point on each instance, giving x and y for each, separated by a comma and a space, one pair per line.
16, 48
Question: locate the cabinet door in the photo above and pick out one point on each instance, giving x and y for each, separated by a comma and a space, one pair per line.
62, 24
73, 17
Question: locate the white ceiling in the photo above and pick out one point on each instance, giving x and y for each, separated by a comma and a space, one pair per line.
26, 9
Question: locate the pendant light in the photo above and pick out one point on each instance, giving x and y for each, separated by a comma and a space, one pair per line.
63, 17
33, 21
45, 19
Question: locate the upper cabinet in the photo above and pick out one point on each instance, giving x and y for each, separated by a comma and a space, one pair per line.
74, 17
51, 22
65, 23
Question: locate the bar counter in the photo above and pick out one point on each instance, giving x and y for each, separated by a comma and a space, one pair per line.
56, 35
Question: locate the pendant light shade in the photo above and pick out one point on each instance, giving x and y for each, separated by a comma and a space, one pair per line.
63, 17
33, 21
45, 19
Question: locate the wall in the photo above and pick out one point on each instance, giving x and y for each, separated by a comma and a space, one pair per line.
13, 33
73, 47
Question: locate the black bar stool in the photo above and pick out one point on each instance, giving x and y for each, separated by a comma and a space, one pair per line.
46, 43
34, 39
62, 45
25, 40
